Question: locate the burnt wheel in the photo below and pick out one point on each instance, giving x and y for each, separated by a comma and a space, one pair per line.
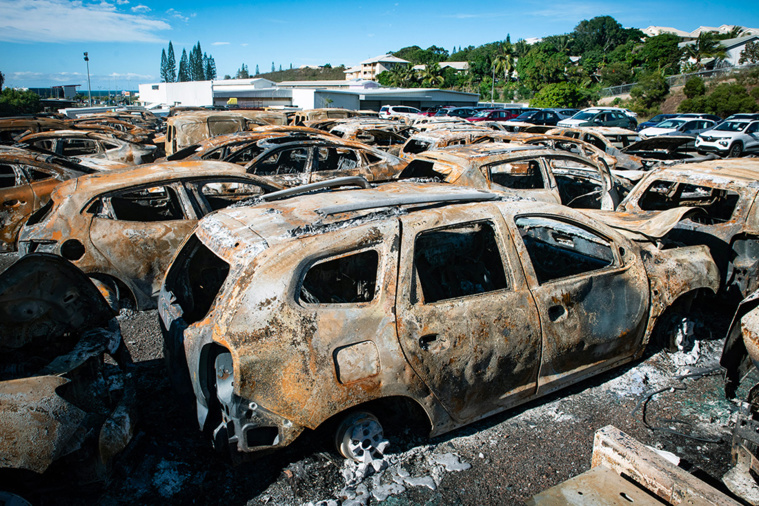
360, 437
109, 290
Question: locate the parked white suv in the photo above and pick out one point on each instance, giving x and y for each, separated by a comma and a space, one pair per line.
388, 111
731, 138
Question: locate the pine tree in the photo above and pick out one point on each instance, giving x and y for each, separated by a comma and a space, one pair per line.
242, 73
196, 70
210, 67
291, 66
257, 72
280, 67
171, 65
164, 67
184, 70
272, 66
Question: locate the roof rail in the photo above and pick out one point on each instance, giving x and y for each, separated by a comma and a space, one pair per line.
404, 200
330, 183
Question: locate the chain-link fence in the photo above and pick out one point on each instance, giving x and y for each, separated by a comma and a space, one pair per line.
679, 79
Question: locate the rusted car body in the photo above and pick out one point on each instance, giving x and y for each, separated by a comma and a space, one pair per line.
122, 229
61, 406
120, 128
726, 190
13, 129
431, 140
188, 128
221, 147
741, 352
386, 135
26, 180
301, 117
279, 118
93, 145
458, 302
542, 173
292, 160
611, 140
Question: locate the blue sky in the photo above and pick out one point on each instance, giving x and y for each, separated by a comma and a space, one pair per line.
42, 41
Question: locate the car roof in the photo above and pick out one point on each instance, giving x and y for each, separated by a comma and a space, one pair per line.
312, 214
732, 172
82, 189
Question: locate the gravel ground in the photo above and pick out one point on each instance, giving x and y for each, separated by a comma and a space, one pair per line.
504, 459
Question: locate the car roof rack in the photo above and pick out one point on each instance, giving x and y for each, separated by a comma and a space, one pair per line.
306, 188
407, 200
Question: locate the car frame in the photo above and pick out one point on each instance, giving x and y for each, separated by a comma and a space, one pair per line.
93, 145
121, 229
333, 309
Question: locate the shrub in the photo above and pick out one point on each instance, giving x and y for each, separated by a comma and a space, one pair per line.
694, 87
560, 95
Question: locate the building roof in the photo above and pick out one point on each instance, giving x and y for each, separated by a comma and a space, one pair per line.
727, 43
385, 58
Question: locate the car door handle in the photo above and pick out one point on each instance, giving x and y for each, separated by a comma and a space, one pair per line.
424, 341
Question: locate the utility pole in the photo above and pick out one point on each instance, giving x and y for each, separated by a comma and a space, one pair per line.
89, 86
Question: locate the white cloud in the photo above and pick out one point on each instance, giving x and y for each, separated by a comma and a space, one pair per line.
176, 14
122, 2
67, 21
141, 9
220, 43
244, 45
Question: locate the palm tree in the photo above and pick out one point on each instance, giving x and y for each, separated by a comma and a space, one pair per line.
430, 76
706, 46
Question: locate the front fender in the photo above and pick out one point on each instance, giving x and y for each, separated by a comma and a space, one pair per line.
675, 272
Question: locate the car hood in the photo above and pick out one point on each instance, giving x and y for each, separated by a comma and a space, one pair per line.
572, 122
645, 225
651, 131
45, 297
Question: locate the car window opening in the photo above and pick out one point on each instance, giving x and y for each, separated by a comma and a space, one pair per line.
289, 161
149, 204
219, 195
335, 159
558, 249
520, 175
719, 204
344, 280
458, 262
195, 279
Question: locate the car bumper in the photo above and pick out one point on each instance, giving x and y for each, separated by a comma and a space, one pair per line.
245, 426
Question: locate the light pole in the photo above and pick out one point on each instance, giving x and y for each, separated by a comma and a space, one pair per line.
89, 86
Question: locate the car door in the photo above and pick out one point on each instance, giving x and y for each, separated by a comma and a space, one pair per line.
592, 295
752, 137
466, 321
337, 161
17, 201
137, 231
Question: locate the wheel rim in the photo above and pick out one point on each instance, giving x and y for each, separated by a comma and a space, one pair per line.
360, 437
735, 151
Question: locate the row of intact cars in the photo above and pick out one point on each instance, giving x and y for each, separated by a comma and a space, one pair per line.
304, 280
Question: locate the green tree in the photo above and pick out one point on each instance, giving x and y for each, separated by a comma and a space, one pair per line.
242, 72
657, 52
171, 65
616, 73
14, 102
560, 95
542, 65
2, 80
184, 68
694, 87
650, 91
729, 98
602, 33
431, 76
164, 67
257, 72
750, 53
196, 69
210, 67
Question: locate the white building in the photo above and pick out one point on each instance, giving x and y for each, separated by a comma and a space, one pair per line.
733, 47
371, 68
249, 93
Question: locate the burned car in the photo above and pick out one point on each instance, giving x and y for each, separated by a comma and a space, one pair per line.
26, 180
122, 228
14, 128
62, 407
547, 174
446, 302
188, 128
95, 145
726, 191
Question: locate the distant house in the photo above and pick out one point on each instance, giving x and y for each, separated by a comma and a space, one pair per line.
653, 31
734, 48
371, 68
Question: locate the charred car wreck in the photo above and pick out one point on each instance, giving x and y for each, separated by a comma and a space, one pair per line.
61, 406
445, 302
